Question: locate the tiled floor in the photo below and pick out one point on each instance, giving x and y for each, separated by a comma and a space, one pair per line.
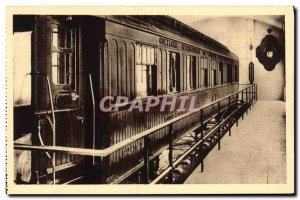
255, 152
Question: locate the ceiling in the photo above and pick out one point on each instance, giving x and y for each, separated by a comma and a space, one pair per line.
272, 20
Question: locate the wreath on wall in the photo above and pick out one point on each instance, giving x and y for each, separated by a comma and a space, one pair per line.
269, 52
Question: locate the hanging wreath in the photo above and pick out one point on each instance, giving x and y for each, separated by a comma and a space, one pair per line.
269, 52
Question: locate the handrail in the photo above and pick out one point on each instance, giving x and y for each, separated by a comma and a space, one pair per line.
141, 135
94, 115
69, 150
52, 110
52, 124
53, 127
184, 155
109, 150
41, 139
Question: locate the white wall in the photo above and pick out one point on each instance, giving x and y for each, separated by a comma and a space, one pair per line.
237, 33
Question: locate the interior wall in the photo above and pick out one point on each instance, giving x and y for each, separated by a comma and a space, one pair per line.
237, 33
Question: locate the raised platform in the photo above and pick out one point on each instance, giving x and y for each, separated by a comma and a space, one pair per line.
255, 153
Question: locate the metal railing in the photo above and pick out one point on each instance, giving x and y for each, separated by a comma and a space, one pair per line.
52, 123
248, 94
94, 114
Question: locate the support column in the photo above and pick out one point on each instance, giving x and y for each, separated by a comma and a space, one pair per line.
229, 104
171, 153
242, 102
219, 134
201, 137
146, 159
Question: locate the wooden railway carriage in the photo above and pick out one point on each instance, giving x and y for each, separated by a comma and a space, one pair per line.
78, 60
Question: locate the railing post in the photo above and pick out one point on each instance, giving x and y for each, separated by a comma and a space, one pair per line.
237, 106
255, 93
139, 177
250, 97
251, 94
243, 103
254, 90
37, 177
146, 159
201, 135
219, 135
229, 104
253, 97
247, 100
171, 152
54, 164
242, 95
94, 114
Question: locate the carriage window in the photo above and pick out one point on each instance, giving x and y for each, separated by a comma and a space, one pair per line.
215, 77
173, 74
221, 73
146, 71
236, 73
229, 73
204, 72
213, 73
233, 73
62, 49
191, 72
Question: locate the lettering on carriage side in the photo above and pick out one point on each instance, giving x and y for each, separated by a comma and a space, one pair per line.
173, 115
190, 48
167, 42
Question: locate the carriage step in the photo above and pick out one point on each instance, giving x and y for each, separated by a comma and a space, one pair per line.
179, 170
209, 126
213, 121
187, 162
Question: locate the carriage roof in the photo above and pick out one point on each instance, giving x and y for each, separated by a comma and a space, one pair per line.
172, 28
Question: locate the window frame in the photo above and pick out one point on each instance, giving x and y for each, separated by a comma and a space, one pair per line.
221, 72
149, 62
204, 72
191, 72
176, 69
63, 52
236, 73
213, 76
229, 73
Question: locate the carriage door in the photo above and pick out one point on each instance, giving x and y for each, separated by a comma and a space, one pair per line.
63, 70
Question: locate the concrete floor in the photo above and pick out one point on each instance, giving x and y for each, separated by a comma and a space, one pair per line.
255, 152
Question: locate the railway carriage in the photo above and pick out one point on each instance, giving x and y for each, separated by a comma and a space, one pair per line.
76, 61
